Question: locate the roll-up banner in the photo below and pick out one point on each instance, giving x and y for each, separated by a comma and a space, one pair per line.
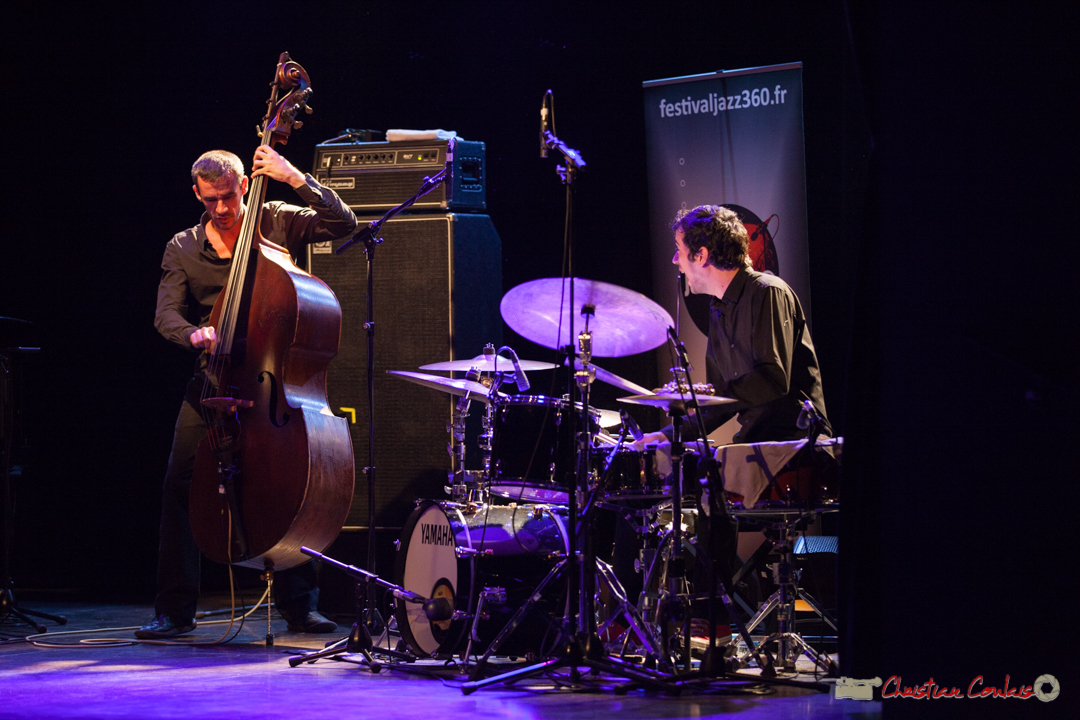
732, 138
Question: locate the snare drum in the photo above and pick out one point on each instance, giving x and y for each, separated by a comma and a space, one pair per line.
530, 457
521, 540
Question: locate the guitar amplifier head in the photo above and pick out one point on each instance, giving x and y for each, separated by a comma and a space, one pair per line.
373, 177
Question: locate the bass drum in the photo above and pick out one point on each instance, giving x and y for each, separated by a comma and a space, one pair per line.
521, 540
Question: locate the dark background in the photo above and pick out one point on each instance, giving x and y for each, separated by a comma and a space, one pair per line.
942, 191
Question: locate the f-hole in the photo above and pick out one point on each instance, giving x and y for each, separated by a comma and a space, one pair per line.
273, 400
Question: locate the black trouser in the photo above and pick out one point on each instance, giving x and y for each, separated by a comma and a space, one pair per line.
295, 591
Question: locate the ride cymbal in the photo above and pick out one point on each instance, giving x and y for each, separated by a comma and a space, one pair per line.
623, 322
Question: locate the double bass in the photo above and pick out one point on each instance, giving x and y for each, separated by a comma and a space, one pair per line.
275, 471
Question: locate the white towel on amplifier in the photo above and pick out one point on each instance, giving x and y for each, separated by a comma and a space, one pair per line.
399, 135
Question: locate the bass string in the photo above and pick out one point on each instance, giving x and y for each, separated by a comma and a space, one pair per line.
230, 312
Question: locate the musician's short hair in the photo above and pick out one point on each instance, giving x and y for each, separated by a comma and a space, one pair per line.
716, 228
216, 164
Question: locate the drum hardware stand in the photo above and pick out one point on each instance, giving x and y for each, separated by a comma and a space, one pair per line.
359, 641
268, 578
712, 664
629, 611
8, 604
460, 489
369, 237
580, 645
666, 610
780, 537
790, 643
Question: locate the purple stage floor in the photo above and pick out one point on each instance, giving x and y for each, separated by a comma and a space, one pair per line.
246, 679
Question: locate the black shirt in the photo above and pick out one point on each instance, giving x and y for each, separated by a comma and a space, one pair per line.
761, 354
193, 275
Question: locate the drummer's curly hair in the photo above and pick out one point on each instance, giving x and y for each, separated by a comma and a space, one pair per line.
216, 164
716, 228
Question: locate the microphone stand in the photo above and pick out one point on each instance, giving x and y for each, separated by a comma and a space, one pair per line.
9, 606
369, 236
579, 644
359, 641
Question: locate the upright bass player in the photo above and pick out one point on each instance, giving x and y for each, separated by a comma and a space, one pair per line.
195, 268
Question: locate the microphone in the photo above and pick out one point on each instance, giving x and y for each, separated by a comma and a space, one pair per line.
544, 125
761, 228
519, 374
438, 609
631, 424
682, 285
807, 414
406, 595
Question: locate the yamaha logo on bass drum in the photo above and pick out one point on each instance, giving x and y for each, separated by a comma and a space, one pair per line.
436, 534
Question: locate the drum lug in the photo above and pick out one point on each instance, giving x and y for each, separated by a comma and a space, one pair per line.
494, 595
463, 552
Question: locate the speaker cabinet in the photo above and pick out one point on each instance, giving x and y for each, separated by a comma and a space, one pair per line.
437, 287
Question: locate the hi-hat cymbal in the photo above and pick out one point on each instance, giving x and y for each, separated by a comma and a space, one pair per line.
665, 401
612, 379
623, 322
483, 363
454, 386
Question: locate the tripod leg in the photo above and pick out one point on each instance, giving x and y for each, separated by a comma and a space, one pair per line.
820, 659
768, 607
9, 608
311, 657
512, 676
637, 623
805, 596
58, 619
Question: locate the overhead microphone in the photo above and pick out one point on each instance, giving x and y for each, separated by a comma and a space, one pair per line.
544, 125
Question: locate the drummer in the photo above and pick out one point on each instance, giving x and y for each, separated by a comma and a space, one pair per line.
759, 353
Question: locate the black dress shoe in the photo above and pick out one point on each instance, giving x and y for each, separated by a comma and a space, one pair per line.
165, 626
312, 622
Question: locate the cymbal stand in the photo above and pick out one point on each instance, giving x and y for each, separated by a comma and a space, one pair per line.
463, 485
712, 664
579, 644
359, 640
673, 606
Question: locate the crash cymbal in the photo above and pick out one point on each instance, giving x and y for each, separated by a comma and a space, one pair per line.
483, 363
623, 322
612, 379
454, 386
666, 401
